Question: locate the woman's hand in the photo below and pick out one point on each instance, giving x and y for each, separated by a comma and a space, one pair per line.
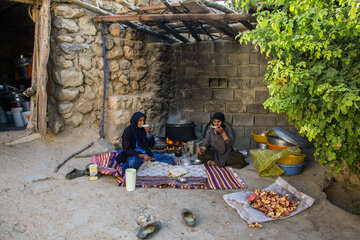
219, 130
211, 163
145, 157
201, 150
148, 130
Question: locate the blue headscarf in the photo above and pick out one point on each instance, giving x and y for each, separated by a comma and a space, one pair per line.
140, 133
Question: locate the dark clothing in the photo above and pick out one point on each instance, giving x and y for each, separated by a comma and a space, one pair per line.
129, 144
235, 159
219, 116
139, 133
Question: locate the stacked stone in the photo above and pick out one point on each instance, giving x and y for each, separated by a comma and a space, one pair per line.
137, 75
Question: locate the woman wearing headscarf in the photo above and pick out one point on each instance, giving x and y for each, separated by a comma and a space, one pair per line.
217, 147
137, 141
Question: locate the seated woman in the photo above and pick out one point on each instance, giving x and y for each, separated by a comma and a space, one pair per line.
137, 141
217, 147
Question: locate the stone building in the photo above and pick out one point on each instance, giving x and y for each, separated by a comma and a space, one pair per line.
147, 74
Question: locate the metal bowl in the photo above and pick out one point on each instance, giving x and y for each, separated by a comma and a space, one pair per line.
275, 140
261, 146
195, 162
181, 180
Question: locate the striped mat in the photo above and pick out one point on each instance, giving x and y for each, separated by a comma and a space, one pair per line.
218, 178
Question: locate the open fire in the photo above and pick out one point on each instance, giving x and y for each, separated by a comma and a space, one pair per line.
171, 146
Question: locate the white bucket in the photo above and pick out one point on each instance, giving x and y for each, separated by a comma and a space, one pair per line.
16, 113
130, 178
26, 116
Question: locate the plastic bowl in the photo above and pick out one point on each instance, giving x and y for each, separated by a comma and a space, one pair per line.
261, 137
275, 147
292, 159
292, 169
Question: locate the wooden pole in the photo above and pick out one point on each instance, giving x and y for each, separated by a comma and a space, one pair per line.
171, 17
41, 73
127, 23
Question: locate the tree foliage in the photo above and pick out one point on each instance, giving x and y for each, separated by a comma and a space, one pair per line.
314, 71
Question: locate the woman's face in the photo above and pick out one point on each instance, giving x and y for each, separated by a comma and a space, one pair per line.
217, 122
141, 122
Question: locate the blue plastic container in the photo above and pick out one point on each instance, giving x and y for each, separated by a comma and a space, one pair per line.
292, 169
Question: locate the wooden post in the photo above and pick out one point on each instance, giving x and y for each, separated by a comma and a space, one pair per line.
41, 72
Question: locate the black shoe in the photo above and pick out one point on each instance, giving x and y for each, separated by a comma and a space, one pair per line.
188, 217
148, 230
76, 173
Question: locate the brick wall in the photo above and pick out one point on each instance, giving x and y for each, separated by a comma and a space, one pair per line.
227, 77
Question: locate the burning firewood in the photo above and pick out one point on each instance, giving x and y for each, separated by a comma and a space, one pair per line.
272, 204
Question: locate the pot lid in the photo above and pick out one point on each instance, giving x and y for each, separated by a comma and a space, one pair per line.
292, 137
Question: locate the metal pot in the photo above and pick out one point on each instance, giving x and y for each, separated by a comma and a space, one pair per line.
275, 140
180, 131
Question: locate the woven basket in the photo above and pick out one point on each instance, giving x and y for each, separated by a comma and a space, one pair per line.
292, 159
261, 138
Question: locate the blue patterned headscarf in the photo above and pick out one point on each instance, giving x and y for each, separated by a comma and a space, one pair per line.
140, 133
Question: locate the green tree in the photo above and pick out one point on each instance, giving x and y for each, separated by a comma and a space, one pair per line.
314, 71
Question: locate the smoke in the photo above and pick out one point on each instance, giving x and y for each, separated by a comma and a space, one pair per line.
176, 118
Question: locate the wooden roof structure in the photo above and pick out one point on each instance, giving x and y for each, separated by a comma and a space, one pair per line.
183, 21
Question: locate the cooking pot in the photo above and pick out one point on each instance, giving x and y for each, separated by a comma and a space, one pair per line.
180, 131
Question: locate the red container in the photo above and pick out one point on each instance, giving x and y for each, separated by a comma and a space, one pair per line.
16, 104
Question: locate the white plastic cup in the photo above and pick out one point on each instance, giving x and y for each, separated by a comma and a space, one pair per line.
130, 178
16, 112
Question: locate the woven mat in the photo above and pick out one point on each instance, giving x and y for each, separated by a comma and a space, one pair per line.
153, 175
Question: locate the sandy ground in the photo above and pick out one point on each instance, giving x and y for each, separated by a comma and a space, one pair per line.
36, 203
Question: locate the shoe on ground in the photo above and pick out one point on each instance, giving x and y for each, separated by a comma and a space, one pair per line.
148, 230
188, 217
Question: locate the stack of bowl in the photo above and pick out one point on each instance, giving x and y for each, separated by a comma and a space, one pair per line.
291, 164
261, 139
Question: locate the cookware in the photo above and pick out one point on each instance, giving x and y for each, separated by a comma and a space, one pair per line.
180, 131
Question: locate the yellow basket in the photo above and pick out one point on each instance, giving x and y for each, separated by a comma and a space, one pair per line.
260, 138
292, 159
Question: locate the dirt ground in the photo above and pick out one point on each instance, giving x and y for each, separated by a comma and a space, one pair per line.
36, 203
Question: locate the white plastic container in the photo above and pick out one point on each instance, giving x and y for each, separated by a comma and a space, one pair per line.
25, 116
130, 178
16, 113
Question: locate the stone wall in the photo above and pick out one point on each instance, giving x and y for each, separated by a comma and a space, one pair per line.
227, 77
137, 75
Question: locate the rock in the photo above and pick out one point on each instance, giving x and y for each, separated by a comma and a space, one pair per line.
65, 108
98, 40
120, 116
113, 66
57, 125
79, 39
119, 88
68, 77
130, 34
100, 63
97, 50
66, 94
69, 57
136, 76
119, 42
67, 24
128, 43
87, 26
66, 11
89, 78
115, 53
90, 40
124, 79
139, 64
64, 38
81, 89
62, 62
89, 94
113, 77
75, 120
116, 30
138, 45
71, 48
84, 106
134, 85
129, 53
67, 115
125, 64
85, 62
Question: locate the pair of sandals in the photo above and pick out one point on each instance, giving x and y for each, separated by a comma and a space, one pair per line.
148, 230
78, 173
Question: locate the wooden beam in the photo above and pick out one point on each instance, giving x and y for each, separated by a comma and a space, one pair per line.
30, 2
168, 29
130, 6
186, 23
170, 17
127, 23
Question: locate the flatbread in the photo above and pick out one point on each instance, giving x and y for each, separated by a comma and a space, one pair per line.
176, 172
